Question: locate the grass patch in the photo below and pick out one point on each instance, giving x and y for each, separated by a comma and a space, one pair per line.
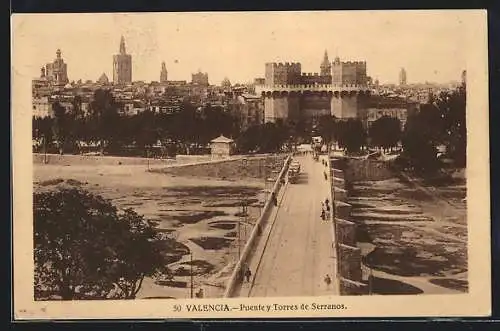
231, 234
236, 203
199, 267
223, 225
195, 217
173, 250
212, 243
384, 286
454, 284
171, 283
74, 182
213, 191
51, 182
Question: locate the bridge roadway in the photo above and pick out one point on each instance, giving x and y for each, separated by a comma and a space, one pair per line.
299, 251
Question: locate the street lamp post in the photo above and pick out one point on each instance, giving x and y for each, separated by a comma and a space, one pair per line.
239, 240
44, 149
370, 278
191, 273
147, 157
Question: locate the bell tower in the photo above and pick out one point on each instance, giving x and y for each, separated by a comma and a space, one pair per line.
326, 66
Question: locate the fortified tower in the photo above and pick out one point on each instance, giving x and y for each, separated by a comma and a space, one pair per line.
122, 65
350, 88
279, 104
289, 93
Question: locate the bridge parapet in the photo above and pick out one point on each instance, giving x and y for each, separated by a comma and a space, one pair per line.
348, 256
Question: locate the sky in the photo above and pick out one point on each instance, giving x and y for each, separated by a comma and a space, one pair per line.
428, 44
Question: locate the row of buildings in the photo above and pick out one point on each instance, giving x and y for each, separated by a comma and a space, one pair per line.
340, 88
55, 73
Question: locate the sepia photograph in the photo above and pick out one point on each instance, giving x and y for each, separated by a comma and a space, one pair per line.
250, 164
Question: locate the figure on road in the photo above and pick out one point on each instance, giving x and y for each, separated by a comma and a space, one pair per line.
323, 214
275, 200
324, 173
248, 274
328, 280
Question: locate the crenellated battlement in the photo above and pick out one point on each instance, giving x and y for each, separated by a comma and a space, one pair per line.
285, 64
350, 63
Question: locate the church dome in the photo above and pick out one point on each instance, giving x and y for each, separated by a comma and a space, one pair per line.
103, 79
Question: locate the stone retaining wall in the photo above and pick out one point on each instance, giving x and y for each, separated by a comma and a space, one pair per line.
349, 272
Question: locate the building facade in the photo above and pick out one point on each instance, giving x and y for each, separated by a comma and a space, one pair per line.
248, 109
163, 73
378, 107
200, 78
57, 71
289, 93
221, 147
42, 107
122, 66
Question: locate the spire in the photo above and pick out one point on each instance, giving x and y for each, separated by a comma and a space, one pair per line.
122, 46
325, 67
58, 53
163, 73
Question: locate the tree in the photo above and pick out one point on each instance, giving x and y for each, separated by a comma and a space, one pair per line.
248, 140
104, 119
145, 129
216, 121
62, 126
327, 127
85, 248
351, 135
452, 107
385, 132
421, 135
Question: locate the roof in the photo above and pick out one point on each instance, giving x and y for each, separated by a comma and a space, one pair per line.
250, 96
221, 139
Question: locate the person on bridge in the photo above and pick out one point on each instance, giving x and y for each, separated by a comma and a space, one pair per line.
328, 280
275, 200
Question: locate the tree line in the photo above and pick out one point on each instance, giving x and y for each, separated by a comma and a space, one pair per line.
189, 131
439, 123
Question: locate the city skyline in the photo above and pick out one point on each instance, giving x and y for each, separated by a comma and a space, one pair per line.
237, 45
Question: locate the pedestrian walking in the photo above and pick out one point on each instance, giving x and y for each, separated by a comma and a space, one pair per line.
324, 173
275, 200
259, 229
328, 281
323, 214
248, 274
